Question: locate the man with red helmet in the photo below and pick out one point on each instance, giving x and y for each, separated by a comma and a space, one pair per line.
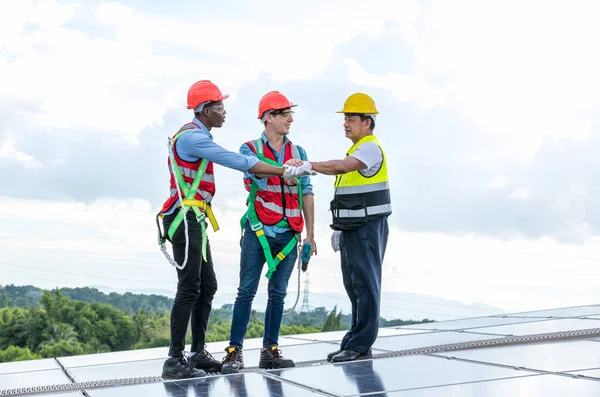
192, 153
272, 229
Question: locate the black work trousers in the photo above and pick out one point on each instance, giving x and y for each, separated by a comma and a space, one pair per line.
196, 286
362, 252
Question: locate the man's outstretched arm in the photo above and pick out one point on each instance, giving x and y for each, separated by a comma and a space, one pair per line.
338, 167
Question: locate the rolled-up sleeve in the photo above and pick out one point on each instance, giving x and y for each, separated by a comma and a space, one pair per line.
307, 187
246, 151
202, 146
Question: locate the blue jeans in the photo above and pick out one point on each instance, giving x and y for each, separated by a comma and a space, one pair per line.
362, 252
251, 270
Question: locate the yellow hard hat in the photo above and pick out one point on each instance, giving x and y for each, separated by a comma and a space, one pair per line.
359, 103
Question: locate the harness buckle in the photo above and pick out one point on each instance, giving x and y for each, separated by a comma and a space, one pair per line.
255, 226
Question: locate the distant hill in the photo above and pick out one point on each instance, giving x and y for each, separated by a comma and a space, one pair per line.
394, 305
404, 306
28, 296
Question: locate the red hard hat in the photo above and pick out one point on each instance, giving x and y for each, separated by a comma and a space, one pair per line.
203, 91
273, 100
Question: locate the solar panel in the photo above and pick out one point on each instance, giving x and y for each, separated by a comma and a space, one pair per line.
549, 353
392, 374
32, 378
403, 342
336, 336
245, 384
542, 326
540, 385
469, 323
160, 353
32, 365
564, 312
306, 352
563, 356
63, 394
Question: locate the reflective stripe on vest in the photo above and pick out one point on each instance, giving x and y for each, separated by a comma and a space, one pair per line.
358, 198
206, 189
276, 195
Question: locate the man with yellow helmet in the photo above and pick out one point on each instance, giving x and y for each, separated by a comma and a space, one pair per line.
360, 208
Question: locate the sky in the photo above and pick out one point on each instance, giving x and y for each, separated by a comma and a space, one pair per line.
488, 114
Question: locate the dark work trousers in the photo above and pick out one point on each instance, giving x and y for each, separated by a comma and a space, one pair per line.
362, 251
196, 286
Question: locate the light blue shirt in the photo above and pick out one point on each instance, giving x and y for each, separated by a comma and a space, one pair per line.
307, 187
198, 143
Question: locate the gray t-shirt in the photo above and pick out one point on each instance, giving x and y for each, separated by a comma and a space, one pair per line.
370, 154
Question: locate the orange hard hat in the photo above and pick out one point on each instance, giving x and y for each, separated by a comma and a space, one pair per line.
203, 91
273, 100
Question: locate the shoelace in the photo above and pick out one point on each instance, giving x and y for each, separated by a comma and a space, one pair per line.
184, 361
276, 353
208, 355
231, 356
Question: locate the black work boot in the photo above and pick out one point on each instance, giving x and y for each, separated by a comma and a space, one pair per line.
351, 355
234, 360
330, 355
271, 358
205, 361
180, 368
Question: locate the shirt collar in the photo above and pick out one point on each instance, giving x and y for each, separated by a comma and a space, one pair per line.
266, 141
202, 127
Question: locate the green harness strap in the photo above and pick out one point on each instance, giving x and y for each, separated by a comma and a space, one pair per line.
256, 224
189, 193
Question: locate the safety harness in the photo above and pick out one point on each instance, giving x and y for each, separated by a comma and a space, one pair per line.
257, 226
201, 209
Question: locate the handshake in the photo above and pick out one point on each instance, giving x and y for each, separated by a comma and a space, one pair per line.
297, 168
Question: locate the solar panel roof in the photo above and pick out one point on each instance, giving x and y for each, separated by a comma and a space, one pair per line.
548, 352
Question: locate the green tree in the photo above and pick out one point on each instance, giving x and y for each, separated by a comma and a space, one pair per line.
16, 353
141, 321
60, 332
61, 349
94, 346
333, 321
4, 300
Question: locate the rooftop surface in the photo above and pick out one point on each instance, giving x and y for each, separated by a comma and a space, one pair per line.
541, 353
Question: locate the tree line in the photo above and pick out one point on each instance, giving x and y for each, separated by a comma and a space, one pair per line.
36, 323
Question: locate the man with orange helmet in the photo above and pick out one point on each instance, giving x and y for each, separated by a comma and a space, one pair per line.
360, 208
272, 229
192, 153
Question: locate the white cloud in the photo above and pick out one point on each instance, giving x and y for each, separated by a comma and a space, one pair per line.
521, 71
90, 83
498, 183
402, 86
123, 85
520, 193
9, 153
513, 275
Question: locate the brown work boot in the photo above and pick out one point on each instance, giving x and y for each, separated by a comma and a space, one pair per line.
271, 358
234, 360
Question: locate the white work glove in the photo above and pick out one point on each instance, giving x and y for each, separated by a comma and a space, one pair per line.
298, 171
290, 173
335, 240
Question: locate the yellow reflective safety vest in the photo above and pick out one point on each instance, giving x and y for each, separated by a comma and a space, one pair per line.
359, 199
